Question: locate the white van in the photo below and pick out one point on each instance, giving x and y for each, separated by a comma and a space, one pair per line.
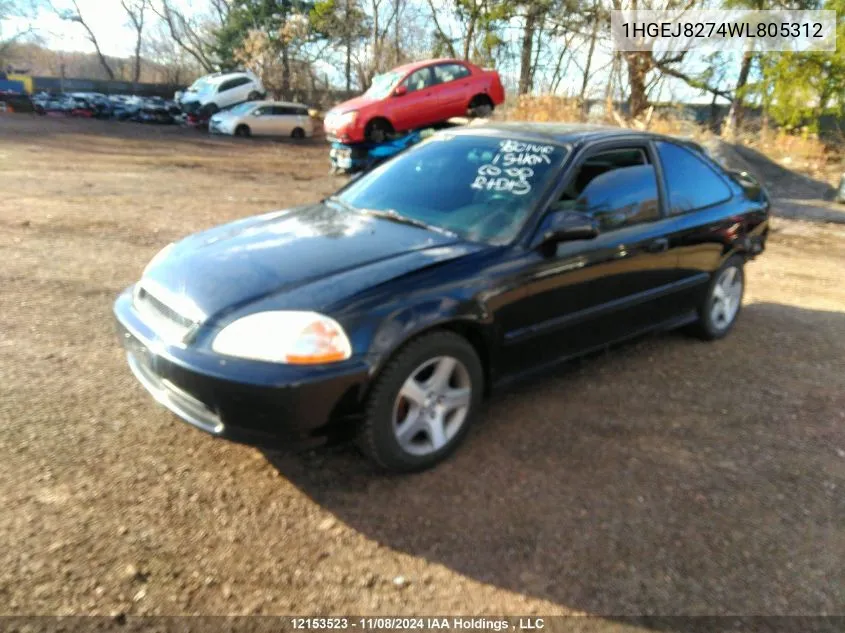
264, 118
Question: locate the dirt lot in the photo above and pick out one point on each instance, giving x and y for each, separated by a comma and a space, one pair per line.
668, 476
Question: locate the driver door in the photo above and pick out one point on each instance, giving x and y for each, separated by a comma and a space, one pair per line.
417, 107
591, 292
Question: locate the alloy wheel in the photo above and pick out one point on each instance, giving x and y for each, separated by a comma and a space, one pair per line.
432, 405
726, 297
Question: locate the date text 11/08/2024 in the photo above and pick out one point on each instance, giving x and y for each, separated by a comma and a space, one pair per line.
431, 623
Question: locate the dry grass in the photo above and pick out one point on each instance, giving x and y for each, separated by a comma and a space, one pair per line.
797, 150
800, 150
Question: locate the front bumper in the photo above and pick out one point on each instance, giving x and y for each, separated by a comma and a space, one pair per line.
245, 401
350, 133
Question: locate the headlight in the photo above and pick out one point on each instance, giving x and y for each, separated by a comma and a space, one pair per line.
347, 118
159, 256
297, 338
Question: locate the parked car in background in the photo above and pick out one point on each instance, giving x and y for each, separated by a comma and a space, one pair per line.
82, 108
413, 96
264, 118
13, 101
154, 112
389, 310
220, 90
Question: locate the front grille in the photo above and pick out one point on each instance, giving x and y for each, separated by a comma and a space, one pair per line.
164, 320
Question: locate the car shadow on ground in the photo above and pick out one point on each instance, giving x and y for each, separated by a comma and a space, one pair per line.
667, 476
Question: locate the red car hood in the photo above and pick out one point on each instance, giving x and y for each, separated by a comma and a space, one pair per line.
353, 104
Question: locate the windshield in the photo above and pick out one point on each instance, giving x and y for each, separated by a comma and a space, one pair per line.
241, 108
382, 85
480, 188
194, 87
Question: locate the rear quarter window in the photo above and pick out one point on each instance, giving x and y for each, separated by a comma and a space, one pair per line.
692, 184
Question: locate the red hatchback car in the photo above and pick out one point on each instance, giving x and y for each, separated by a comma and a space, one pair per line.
413, 96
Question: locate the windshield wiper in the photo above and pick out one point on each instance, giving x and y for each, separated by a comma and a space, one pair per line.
390, 214
394, 216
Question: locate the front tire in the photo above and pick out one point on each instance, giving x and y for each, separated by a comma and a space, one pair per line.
722, 304
423, 403
378, 130
242, 131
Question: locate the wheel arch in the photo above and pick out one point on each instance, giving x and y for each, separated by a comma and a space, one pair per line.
483, 97
402, 329
379, 117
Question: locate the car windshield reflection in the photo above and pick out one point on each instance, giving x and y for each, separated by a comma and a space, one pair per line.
480, 188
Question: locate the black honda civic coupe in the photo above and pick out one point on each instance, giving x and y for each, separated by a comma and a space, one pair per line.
387, 311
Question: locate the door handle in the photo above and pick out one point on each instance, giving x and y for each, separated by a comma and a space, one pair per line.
660, 245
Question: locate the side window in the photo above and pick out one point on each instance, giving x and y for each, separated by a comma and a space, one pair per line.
618, 187
233, 83
444, 73
282, 110
622, 197
420, 79
302, 111
691, 182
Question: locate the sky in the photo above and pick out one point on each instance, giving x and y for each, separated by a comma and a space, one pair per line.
106, 18
109, 22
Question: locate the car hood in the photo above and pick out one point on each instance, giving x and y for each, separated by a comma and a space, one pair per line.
189, 97
304, 258
353, 104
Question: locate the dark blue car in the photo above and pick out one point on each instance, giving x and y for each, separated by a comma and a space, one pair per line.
388, 311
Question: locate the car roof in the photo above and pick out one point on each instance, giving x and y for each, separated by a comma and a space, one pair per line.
219, 78
566, 133
411, 66
281, 103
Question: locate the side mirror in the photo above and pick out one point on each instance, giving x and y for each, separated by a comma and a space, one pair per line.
400, 91
566, 226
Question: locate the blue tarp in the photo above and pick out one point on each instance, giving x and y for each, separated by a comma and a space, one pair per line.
363, 156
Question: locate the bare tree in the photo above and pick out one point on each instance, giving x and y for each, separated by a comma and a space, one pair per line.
534, 13
75, 15
135, 10
22, 13
188, 35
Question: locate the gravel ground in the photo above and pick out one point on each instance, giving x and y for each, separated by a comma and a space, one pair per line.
668, 476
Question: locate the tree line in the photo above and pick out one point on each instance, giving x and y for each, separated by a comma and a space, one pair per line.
539, 46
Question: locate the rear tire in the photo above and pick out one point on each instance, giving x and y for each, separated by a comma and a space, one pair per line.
210, 109
297, 133
243, 131
722, 303
253, 96
481, 106
423, 403
378, 130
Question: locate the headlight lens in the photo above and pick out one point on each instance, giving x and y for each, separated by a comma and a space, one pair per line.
293, 337
159, 256
347, 118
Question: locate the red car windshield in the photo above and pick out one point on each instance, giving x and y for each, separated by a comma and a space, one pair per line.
382, 85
